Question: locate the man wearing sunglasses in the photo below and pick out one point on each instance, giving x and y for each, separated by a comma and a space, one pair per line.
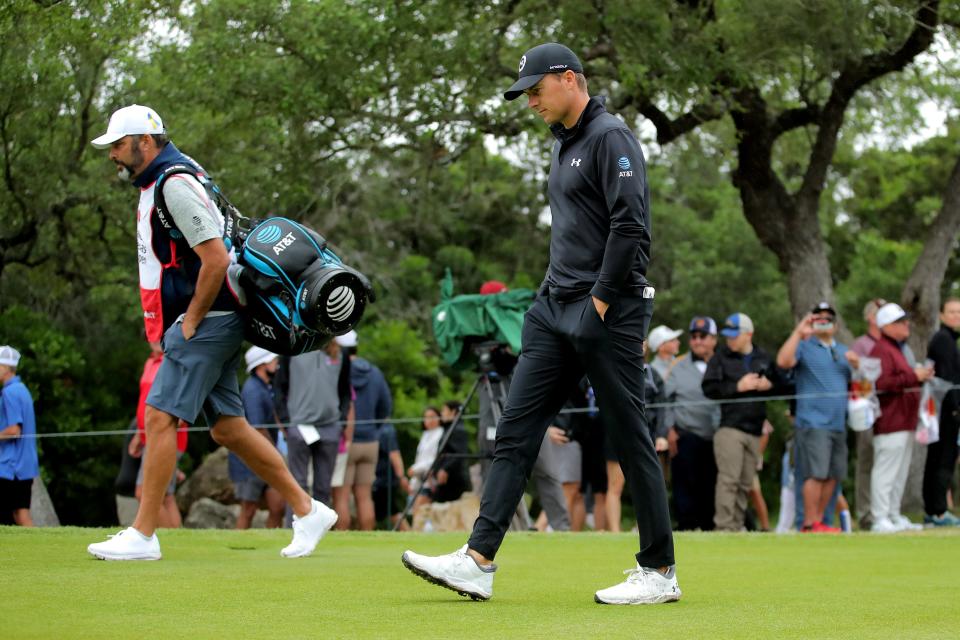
823, 370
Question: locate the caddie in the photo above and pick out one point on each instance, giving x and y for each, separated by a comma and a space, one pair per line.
183, 261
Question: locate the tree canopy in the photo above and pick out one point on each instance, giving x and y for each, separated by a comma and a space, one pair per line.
776, 132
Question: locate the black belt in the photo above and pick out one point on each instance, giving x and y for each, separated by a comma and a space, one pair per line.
567, 295
563, 295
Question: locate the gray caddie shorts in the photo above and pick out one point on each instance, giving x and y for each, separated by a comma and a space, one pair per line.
823, 453
199, 376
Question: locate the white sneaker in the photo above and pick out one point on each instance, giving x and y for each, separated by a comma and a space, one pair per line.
902, 523
129, 544
309, 530
884, 525
456, 571
642, 586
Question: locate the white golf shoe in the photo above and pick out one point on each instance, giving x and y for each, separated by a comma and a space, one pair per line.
129, 544
642, 586
309, 530
884, 525
456, 571
902, 523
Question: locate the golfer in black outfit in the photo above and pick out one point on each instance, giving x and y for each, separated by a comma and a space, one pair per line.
590, 316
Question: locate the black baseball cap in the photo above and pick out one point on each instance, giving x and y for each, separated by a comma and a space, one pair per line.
824, 307
538, 62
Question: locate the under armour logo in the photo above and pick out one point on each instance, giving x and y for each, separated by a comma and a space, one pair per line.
576, 162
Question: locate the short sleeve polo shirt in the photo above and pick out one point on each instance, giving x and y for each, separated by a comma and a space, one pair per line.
822, 377
18, 456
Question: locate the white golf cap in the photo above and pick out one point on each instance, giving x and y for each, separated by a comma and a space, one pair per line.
129, 121
257, 356
9, 356
890, 313
661, 335
349, 339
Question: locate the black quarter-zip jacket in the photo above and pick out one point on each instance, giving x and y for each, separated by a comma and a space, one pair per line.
600, 209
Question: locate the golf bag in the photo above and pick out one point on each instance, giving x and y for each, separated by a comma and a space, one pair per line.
299, 294
295, 292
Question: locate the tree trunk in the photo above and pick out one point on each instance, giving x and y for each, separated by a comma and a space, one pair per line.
921, 293
786, 224
804, 259
799, 246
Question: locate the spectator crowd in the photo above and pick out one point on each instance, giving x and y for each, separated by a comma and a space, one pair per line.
330, 412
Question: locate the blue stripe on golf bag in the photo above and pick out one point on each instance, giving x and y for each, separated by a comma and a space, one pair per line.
264, 265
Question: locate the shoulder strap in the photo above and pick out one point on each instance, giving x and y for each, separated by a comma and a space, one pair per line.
236, 226
159, 202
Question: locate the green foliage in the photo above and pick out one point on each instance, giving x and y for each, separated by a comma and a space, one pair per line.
71, 394
878, 269
889, 196
402, 354
68, 298
706, 259
412, 369
380, 124
899, 192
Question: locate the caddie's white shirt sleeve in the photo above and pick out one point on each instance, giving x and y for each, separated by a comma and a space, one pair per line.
193, 213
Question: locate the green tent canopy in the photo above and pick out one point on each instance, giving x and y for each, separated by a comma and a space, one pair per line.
460, 321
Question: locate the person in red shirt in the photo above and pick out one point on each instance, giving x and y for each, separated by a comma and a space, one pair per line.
169, 513
898, 389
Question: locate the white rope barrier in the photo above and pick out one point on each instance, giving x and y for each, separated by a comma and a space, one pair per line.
475, 417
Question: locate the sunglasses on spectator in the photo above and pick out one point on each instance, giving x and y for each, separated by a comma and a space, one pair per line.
696, 335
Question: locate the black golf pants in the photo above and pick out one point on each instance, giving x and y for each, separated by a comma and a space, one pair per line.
560, 342
941, 462
694, 474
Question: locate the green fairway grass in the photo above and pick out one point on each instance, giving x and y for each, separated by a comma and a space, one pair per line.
230, 584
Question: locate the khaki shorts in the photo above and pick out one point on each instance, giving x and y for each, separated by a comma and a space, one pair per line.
362, 463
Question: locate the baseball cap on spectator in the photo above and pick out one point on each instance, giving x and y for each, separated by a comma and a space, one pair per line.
348, 340
256, 356
703, 324
538, 62
872, 307
491, 287
661, 335
824, 307
890, 313
9, 356
736, 324
129, 121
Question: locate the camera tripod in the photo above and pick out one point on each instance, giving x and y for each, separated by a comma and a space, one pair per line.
492, 392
